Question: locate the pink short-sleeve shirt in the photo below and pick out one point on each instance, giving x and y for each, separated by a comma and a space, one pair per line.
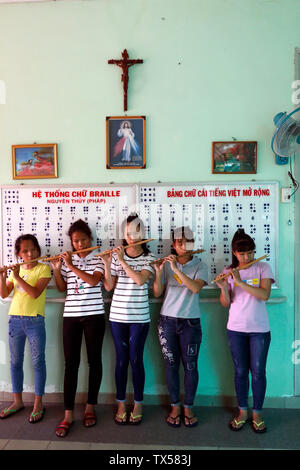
248, 314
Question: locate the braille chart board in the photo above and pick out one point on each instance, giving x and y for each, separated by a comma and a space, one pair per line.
48, 211
213, 211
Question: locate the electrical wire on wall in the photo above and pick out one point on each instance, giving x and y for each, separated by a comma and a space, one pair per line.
290, 173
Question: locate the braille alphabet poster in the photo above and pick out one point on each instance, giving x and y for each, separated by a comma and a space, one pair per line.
214, 211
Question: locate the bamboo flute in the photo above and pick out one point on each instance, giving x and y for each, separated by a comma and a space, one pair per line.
107, 252
224, 276
91, 248
188, 253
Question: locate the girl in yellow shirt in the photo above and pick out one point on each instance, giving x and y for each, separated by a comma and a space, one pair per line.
26, 320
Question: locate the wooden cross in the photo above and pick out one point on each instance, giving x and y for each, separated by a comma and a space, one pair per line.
125, 63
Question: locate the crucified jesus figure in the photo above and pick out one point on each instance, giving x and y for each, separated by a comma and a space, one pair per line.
125, 63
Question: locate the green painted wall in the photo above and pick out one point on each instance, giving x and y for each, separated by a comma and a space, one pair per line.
212, 70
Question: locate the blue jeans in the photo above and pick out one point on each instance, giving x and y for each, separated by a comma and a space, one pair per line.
129, 339
33, 328
180, 338
249, 353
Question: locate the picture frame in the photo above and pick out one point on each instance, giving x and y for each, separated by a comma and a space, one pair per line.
34, 161
125, 142
234, 157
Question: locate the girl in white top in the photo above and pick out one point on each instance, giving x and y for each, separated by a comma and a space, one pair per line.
82, 276
129, 315
179, 328
246, 292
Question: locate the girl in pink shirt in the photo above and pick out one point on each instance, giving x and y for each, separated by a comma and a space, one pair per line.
246, 292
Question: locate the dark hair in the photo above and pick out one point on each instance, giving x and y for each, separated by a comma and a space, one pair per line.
138, 223
26, 237
79, 226
179, 233
241, 241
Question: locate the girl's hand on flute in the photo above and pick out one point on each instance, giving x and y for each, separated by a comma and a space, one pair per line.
16, 271
3, 271
221, 281
158, 265
236, 276
106, 258
172, 261
56, 264
67, 257
119, 250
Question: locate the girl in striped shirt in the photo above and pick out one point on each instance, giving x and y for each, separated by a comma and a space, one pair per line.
129, 315
81, 275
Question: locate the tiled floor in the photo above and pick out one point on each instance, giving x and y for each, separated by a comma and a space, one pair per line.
211, 433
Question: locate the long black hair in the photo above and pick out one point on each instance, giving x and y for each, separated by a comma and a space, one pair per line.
140, 227
80, 226
241, 241
179, 233
26, 237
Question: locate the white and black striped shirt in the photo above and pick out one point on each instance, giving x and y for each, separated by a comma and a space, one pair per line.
130, 303
83, 299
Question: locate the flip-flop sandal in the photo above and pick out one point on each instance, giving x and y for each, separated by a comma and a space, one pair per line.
121, 418
10, 412
88, 417
40, 413
173, 424
63, 425
256, 429
237, 423
189, 424
135, 419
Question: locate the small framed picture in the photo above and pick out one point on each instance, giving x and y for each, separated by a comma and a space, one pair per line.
34, 161
125, 142
234, 157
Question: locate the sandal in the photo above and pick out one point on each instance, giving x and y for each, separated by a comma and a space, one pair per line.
65, 425
135, 419
173, 424
236, 426
121, 419
189, 424
256, 426
10, 411
38, 413
88, 417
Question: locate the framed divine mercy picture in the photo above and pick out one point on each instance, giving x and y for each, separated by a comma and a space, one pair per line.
125, 142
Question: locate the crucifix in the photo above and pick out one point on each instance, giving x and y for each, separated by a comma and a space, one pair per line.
125, 63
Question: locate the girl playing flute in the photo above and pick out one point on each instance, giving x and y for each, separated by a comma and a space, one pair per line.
82, 275
26, 320
130, 316
179, 325
245, 293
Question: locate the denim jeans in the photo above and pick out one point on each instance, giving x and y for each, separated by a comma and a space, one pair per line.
180, 338
249, 353
129, 339
32, 328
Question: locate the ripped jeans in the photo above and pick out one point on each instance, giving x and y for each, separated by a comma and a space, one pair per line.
129, 339
180, 338
33, 328
249, 353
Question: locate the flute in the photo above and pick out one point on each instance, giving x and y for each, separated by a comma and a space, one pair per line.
107, 252
224, 276
188, 253
91, 248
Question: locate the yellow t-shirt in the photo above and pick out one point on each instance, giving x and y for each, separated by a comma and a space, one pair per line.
22, 303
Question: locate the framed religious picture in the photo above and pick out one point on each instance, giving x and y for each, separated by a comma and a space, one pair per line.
34, 161
125, 142
234, 157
